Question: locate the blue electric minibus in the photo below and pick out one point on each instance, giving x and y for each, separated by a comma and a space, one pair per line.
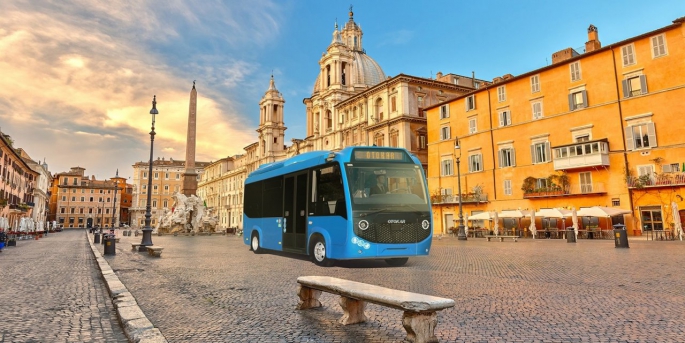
357, 203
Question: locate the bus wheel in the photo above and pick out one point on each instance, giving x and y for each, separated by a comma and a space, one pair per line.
318, 253
397, 262
254, 244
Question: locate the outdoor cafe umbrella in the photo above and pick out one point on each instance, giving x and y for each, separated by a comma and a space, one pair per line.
516, 214
495, 220
574, 220
602, 212
676, 219
532, 228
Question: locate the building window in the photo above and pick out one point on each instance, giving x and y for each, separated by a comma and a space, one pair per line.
504, 118
646, 170
501, 93
166, 203
393, 103
178, 176
577, 100
651, 218
470, 102
507, 187
446, 169
62, 210
535, 83
472, 126
540, 152
671, 168
537, 109
585, 182
73, 198
507, 157
154, 203
444, 133
659, 46
71, 210
394, 138
423, 141
444, 111
64, 198
628, 55
615, 202
144, 175
640, 136
329, 120
379, 109
380, 139
575, 71
419, 100
166, 176
634, 86
475, 163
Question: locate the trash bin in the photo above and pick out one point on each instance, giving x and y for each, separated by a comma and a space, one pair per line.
96, 238
620, 236
570, 235
104, 235
110, 245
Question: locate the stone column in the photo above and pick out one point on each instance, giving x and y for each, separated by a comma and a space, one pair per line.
190, 176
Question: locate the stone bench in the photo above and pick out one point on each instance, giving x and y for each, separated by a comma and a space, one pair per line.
501, 238
154, 250
136, 246
419, 318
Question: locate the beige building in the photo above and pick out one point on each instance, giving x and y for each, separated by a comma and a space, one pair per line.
17, 183
353, 103
167, 178
78, 199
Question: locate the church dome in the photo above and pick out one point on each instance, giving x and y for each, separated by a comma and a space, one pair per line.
364, 71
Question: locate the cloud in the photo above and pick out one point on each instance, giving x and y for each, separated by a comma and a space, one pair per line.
78, 77
399, 37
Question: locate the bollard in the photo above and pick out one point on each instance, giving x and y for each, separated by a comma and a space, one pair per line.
620, 236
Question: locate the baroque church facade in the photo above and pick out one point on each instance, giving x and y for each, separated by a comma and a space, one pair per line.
353, 103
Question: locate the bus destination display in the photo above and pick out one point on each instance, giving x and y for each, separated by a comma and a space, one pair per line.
378, 155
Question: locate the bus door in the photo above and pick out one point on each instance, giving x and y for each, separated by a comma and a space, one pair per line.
295, 213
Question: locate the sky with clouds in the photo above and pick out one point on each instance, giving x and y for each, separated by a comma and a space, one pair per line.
77, 77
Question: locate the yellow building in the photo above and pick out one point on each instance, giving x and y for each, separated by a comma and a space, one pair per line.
598, 128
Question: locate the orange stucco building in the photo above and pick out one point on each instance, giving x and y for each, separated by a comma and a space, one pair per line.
603, 127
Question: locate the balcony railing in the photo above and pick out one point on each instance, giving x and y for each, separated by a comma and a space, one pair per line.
658, 180
581, 155
582, 189
454, 198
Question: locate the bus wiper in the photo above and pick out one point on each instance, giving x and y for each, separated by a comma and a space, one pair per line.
378, 210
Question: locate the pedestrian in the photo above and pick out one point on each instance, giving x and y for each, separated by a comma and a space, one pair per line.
3, 238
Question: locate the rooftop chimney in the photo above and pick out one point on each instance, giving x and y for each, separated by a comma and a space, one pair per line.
593, 42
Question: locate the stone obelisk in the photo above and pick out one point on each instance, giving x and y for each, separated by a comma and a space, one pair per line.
190, 176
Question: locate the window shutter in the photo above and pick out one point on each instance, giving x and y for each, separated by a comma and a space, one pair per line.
466, 104
501, 158
532, 154
473, 102
513, 157
442, 133
626, 89
571, 105
584, 94
630, 141
651, 133
643, 83
470, 164
548, 152
501, 119
508, 117
655, 46
667, 168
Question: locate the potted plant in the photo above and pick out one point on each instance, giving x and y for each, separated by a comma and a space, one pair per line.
528, 185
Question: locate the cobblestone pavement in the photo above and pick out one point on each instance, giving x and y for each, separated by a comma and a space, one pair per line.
213, 289
51, 290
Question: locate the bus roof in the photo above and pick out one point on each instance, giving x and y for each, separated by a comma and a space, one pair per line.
309, 159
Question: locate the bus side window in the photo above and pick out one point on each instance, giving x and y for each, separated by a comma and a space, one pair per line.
328, 192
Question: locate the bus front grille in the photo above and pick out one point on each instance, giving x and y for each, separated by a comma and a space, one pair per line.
394, 233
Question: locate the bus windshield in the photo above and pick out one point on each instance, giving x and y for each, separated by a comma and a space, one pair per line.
374, 184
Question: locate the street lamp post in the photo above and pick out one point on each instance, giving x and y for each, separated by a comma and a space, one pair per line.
114, 203
147, 230
461, 235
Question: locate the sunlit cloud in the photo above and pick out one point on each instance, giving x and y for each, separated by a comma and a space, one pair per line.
78, 77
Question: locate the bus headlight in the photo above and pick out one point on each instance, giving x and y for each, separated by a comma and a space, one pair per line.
425, 224
363, 225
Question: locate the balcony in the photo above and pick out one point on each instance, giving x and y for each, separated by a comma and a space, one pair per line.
657, 180
449, 199
572, 190
581, 155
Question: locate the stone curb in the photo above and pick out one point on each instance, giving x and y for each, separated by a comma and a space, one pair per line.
136, 326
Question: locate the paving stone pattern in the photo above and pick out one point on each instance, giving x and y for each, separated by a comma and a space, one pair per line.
213, 289
51, 290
